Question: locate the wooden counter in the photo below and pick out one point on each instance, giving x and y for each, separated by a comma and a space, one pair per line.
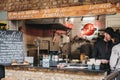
52, 73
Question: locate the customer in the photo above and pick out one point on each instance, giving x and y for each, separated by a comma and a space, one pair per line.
2, 72
102, 49
115, 56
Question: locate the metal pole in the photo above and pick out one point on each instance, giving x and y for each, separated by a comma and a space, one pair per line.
38, 54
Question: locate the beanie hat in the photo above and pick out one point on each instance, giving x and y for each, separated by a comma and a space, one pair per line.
110, 31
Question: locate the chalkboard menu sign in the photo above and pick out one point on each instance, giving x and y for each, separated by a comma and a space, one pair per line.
11, 47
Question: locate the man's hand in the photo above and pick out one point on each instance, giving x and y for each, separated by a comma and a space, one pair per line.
104, 61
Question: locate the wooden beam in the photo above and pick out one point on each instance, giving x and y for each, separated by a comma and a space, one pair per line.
86, 10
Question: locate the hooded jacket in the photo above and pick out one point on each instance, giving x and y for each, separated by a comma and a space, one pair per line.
115, 57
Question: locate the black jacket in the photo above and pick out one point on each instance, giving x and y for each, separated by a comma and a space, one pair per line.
2, 71
100, 49
100, 52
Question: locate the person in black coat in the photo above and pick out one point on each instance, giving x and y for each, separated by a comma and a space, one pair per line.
86, 48
2, 72
102, 49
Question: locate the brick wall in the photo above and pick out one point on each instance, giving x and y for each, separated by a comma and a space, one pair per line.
17, 5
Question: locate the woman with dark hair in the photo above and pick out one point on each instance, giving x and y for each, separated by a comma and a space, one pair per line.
115, 54
102, 49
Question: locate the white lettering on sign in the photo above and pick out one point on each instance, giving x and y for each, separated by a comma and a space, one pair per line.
23, 14
56, 13
111, 10
32, 12
97, 11
13, 35
102, 6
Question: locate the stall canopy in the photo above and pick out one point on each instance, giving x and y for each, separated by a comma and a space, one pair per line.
46, 24
45, 27
45, 30
56, 26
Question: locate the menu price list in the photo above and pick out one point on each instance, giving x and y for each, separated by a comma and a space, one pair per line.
11, 47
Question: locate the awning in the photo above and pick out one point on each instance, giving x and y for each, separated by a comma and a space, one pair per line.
56, 26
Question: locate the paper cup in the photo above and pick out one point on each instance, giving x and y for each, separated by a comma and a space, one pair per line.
90, 67
97, 67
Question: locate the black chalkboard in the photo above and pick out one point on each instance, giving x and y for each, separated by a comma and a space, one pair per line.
11, 46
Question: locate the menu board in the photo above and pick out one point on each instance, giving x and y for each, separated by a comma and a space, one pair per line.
11, 47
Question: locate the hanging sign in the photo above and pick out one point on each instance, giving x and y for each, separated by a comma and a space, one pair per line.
86, 10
